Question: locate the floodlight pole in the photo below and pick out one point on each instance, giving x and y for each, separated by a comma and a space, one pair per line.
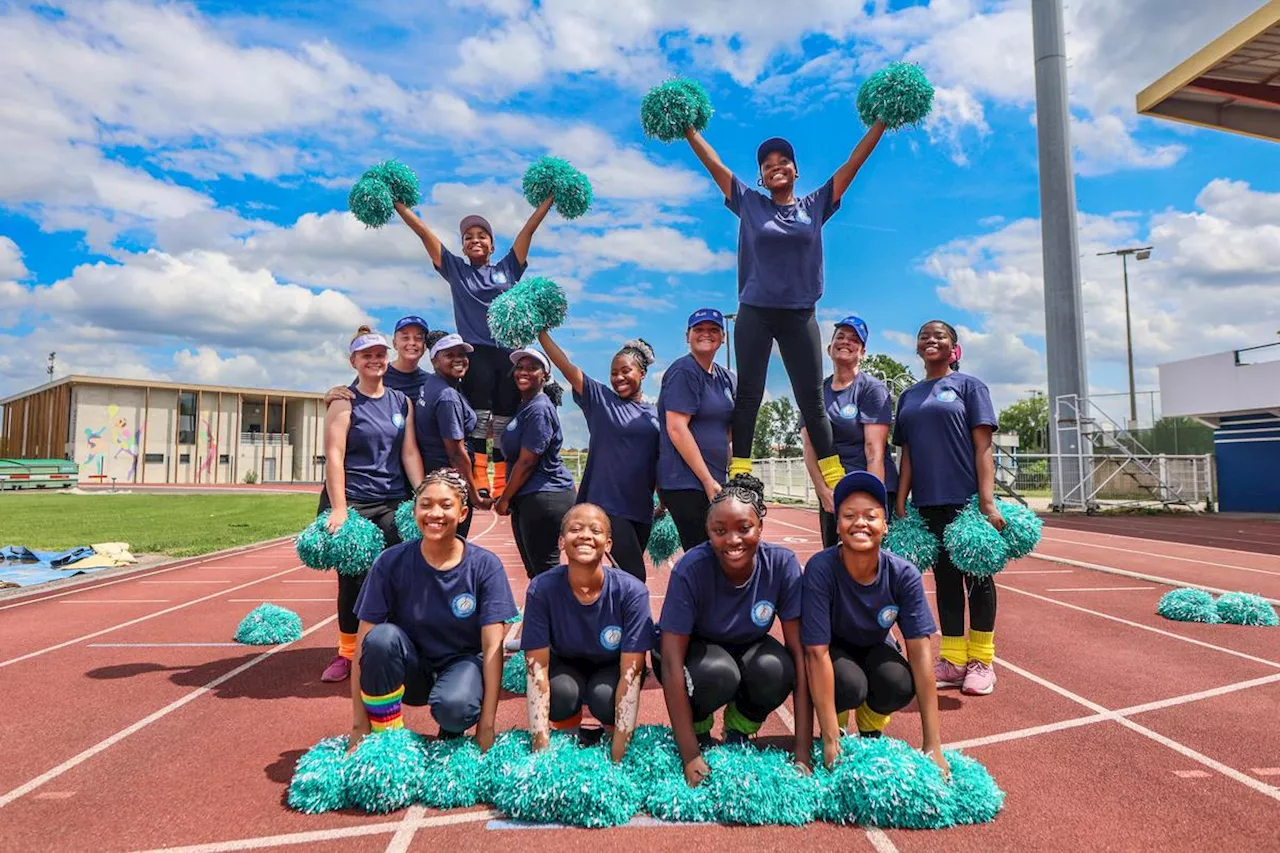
1060, 244
1141, 253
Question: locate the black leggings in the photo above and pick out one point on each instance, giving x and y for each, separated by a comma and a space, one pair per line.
629, 541
535, 523
827, 521
877, 675
381, 513
575, 683
800, 344
951, 584
757, 677
688, 508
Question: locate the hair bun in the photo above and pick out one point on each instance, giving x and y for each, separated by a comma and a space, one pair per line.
554, 392
749, 482
364, 330
641, 350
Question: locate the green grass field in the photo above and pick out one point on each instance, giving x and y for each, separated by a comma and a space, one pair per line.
177, 525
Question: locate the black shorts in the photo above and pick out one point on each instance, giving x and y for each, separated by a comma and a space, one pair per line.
490, 385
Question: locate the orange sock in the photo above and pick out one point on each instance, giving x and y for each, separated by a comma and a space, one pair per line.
571, 723
347, 645
499, 478
480, 471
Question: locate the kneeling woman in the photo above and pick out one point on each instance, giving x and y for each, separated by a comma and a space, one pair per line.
716, 649
853, 594
431, 624
586, 631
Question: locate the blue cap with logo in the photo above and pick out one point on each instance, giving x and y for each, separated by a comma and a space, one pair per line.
859, 326
859, 481
706, 315
412, 320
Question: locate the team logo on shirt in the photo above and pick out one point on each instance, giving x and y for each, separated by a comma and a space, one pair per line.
653, 419
887, 616
762, 613
511, 424
398, 420
803, 217
611, 637
499, 277
946, 396
728, 395
463, 606
848, 411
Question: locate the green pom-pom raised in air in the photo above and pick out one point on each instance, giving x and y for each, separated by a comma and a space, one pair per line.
319, 782
400, 179
974, 545
1188, 605
1244, 608
515, 674
371, 201
408, 528
671, 107
910, 539
518, 315
572, 189
269, 625
898, 95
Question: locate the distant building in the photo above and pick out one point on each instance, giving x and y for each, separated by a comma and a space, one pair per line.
138, 432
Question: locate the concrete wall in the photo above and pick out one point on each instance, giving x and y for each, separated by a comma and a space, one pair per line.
107, 426
1214, 385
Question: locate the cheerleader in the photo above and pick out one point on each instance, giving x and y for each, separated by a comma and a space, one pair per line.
944, 426
410, 341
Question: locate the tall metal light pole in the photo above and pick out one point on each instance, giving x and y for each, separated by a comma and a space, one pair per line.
728, 341
1140, 253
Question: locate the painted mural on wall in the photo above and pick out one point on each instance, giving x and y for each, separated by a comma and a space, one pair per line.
211, 448
113, 441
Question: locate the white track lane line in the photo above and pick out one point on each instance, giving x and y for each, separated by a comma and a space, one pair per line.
1143, 576
1098, 588
1161, 556
176, 607
120, 601
1180, 748
1137, 539
107, 743
1139, 625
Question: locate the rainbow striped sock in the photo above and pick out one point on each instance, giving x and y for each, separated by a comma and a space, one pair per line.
384, 711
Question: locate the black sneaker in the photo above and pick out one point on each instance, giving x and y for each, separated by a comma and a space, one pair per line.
736, 738
590, 735
868, 734
706, 741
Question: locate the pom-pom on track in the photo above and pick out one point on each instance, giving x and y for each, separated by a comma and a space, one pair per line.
898, 95
515, 674
1188, 605
671, 107
1243, 608
269, 625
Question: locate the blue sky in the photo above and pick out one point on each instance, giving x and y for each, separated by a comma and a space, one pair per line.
173, 202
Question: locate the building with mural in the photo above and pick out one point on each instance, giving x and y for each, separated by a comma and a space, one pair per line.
131, 431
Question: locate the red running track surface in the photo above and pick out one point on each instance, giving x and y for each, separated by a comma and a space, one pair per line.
1110, 727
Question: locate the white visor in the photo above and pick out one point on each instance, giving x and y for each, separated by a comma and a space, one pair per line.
373, 339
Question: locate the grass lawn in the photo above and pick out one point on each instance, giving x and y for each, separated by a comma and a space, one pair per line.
177, 525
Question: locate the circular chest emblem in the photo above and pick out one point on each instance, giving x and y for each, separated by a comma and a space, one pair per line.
611, 637
803, 217
511, 425
887, 616
398, 420
947, 396
762, 613
463, 606
499, 277
848, 411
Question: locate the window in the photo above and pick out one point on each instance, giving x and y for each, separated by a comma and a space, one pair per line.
154, 459
224, 459
187, 418
184, 458
319, 460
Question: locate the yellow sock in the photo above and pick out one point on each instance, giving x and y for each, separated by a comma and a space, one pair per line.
738, 465
347, 645
843, 719
869, 721
982, 646
733, 719
954, 650
832, 470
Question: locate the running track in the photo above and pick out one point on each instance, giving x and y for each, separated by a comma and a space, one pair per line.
132, 722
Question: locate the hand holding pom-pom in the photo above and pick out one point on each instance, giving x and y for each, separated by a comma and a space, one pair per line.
671, 108
400, 179
552, 176
897, 95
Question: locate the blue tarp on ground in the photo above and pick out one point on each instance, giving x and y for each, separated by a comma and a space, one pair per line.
20, 566
19, 553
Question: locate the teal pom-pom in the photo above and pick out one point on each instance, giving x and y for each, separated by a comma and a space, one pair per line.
508, 749
898, 95
371, 202
664, 540
975, 546
515, 674
1188, 605
651, 755
405, 524
884, 782
518, 315
351, 550
452, 775
312, 544
671, 799
319, 782
975, 796
571, 187
400, 179
269, 625
672, 107
569, 785
910, 539
385, 772
1022, 528
514, 620
1244, 608
747, 787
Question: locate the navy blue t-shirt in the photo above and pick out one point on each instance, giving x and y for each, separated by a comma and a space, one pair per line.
780, 246
838, 609
935, 422
407, 384
536, 427
701, 602
708, 399
474, 289
442, 612
622, 460
866, 401
441, 414
372, 459
617, 621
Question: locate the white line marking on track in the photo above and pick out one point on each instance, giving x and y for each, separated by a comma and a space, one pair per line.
120, 601
1191, 774
880, 841
1136, 539
1097, 588
1266, 771
274, 599
1132, 624
158, 645
173, 582
107, 743
81, 639
320, 835
1007, 572
404, 835
1180, 748
318, 580
1142, 576
1212, 693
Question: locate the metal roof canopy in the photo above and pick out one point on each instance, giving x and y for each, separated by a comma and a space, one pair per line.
1231, 84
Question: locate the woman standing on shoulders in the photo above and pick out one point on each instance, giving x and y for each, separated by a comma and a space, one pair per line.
857, 404
944, 428
622, 457
695, 412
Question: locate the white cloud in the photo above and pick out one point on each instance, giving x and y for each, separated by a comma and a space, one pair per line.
11, 266
955, 113
1104, 144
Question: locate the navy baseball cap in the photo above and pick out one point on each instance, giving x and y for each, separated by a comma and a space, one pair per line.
859, 326
412, 320
859, 481
778, 144
705, 315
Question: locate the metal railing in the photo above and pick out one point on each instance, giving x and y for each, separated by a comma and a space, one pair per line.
268, 438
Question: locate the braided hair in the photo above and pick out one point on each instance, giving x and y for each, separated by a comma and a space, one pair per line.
639, 350
448, 477
743, 488
951, 333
